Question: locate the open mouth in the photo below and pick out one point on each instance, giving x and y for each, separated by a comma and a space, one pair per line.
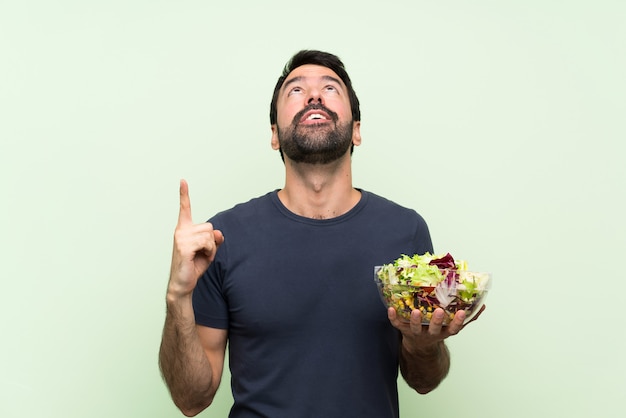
315, 115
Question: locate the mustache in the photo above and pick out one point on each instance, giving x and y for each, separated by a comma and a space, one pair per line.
300, 114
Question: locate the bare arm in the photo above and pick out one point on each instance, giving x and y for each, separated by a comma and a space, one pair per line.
424, 369
424, 357
191, 357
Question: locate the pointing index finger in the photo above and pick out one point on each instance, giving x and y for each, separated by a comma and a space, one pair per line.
184, 215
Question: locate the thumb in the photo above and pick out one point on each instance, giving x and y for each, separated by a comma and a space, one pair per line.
218, 237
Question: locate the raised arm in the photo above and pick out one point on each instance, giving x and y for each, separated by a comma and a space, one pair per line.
191, 357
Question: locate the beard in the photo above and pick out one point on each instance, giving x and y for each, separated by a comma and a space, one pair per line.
318, 143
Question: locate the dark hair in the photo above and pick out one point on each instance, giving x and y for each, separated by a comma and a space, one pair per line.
323, 59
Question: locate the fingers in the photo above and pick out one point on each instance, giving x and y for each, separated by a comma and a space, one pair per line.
195, 247
435, 327
393, 318
416, 336
218, 237
414, 326
436, 322
201, 238
209, 239
456, 324
184, 215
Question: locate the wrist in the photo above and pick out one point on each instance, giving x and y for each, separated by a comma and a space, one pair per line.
177, 297
430, 350
179, 309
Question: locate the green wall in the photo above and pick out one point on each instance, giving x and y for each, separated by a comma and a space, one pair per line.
501, 122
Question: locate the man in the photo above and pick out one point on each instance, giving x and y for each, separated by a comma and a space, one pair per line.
287, 278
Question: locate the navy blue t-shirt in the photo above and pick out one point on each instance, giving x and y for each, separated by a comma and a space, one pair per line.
308, 335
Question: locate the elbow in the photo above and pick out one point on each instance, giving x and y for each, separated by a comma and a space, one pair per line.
191, 410
424, 387
191, 406
424, 390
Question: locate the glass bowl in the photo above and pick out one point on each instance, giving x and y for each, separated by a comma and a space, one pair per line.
467, 292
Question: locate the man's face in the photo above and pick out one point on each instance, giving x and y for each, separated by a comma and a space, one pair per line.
314, 119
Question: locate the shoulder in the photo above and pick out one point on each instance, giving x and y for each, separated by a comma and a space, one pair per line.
391, 217
378, 203
244, 210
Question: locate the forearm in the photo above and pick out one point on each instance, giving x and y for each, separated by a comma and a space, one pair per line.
423, 369
184, 364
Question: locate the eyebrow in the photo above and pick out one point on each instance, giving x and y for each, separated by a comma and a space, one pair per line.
300, 78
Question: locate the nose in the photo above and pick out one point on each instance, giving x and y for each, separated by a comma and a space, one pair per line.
314, 97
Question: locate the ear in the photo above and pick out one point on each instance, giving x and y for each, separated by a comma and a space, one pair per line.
274, 141
356, 133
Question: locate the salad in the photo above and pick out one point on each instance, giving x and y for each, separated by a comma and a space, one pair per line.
430, 281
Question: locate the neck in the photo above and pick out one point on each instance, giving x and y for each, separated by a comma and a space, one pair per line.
319, 191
